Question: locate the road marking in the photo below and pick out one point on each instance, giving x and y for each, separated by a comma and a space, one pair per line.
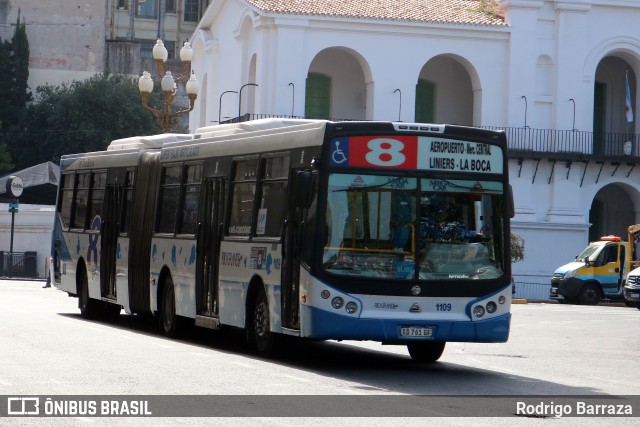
293, 377
245, 365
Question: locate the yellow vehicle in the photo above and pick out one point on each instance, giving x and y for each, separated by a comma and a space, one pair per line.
598, 272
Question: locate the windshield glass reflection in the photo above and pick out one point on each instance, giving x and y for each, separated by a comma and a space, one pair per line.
405, 229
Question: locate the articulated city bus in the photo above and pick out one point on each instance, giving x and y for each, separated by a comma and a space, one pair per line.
390, 232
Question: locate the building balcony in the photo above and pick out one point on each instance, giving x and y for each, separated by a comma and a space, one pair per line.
572, 145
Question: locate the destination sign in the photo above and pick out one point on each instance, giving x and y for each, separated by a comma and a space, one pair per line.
416, 152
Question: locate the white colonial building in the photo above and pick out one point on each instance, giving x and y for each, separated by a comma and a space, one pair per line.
553, 73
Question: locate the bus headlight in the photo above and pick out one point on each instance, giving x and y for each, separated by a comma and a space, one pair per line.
337, 302
325, 294
351, 307
491, 307
478, 311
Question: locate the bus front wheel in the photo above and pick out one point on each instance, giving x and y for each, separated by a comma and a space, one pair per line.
265, 341
426, 351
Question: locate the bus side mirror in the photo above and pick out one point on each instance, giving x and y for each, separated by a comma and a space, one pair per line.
304, 188
587, 262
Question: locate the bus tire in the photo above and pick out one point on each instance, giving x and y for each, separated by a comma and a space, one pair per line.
265, 341
426, 351
88, 307
589, 294
168, 320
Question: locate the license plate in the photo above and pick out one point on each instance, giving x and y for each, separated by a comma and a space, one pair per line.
635, 295
416, 331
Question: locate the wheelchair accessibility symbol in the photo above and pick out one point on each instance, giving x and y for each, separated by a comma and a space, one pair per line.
338, 156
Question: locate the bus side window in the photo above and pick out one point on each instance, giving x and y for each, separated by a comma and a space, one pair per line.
66, 199
274, 186
125, 220
81, 200
243, 191
191, 199
168, 201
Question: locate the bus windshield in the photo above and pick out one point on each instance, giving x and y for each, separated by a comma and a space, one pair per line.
406, 228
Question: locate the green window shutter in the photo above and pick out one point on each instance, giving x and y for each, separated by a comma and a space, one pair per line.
318, 97
425, 101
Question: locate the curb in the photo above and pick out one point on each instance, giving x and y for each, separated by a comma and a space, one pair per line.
24, 279
519, 301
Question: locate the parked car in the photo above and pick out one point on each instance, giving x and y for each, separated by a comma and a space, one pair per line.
631, 288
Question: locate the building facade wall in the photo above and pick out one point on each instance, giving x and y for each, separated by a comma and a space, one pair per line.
33, 225
66, 39
531, 73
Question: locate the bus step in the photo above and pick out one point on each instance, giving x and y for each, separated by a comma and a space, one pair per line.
208, 322
292, 332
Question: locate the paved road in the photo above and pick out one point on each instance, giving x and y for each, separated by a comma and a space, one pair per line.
46, 348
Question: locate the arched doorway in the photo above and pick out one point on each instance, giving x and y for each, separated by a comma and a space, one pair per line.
612, 212
613, 109
444, 92
336, 85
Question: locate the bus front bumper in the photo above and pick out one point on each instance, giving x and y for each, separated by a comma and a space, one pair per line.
323, 325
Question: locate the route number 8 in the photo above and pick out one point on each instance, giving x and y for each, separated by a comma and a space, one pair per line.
385, 152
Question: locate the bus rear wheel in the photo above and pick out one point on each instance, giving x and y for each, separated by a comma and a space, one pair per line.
264, 340
168, 319
426, 351
88, 307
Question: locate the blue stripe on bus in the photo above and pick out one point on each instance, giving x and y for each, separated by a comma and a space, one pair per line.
327, 325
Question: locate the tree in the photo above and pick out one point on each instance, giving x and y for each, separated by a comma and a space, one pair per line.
5, 160
517, 248
14, 90
80, 117
21, 94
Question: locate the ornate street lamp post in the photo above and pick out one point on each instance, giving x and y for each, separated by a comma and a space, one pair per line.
167, 118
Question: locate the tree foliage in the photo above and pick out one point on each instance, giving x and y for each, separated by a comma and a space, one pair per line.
80, 117
517, 248
21, 94
5, 160
14, 90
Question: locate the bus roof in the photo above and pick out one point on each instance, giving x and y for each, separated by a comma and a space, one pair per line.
148, 142
251, 126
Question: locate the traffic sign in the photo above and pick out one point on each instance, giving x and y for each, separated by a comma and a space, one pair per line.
15, 186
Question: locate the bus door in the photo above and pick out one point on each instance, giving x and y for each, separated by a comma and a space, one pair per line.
208, 244
109, 239
299, 200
